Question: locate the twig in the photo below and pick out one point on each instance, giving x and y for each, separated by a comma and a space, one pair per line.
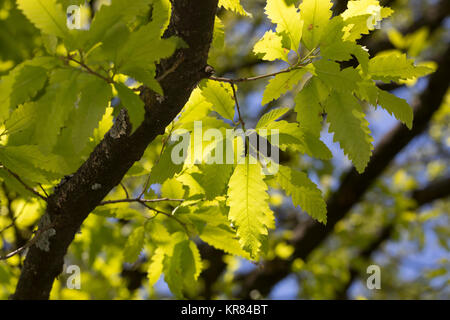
24, 184
171, 69
167, 215
139, 200
88, 69
237, 106
28, 244
125, 190
222, 79
43, 190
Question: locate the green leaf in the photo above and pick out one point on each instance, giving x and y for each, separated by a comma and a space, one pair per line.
315, 15
222, 237
133, 103
362, 16
213, 178
333, 45
47, 15
161, 12
119, 11
95, 97
234, 5
144, 48
249, 209
183, 267
281, 84
329, 73
290, 135
397, 107
287, 19
165, 168
220, 95
350, 128
156, 266
304, 192
31, 164
308, 107
218, 41
395, 66
134, 245
271, 47
28, 82
270, 116
196, 108
55, 106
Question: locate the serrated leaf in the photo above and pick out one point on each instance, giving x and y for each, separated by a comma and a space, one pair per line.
281, 84
315, 15
329, 73
213, 178
350, 128
47, 15
196, 108
144, 48
221, 97
304, 192
333, 45
28, 82
95, 97
363, 16
134, 245
31, 164
165, 168
270, 116
218, 34
156, 266
397, 107
287, 19
271, 47
248, 202
119, 11
291, 136
133, 103
235, 6
395, 66
172, 189
161, 12
55, 106
308, 107
222, 237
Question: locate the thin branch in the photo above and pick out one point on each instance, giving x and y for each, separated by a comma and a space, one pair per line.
171, 69
167, 215
125, 190
43, 190
24, 184
31, 242
139, 200
241, 120
88, 69
222, 79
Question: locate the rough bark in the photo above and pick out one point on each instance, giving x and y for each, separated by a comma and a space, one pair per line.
72, 202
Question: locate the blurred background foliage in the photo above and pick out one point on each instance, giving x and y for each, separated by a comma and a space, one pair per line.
401, 223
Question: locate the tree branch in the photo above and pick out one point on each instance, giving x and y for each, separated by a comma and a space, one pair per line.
116, 153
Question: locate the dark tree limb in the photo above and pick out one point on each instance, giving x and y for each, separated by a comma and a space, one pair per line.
311, 234
72, 202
